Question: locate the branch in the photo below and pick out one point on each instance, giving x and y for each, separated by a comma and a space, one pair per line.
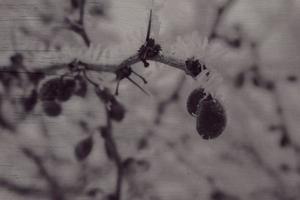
280, 192
22, 190
78, 26
164, 104
107, 134
54, 187
221, 11
115, 155
102, 67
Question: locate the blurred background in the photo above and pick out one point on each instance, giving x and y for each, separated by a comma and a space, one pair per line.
251, 48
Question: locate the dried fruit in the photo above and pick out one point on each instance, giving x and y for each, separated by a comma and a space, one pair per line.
84, 148
65, 89
194, 98
117, 111
52, 108
49, 89
211, 119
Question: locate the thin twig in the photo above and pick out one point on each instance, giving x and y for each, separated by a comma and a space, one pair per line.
22, 190
116, 156
78, 26
221, 11
56, 191
163, 105
81, 12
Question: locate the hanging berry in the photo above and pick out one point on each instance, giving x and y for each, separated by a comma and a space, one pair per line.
209, 112
66, 89
194, 98
211, 119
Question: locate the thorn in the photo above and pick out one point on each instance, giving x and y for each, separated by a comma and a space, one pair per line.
149, 26
143, 79
137, 85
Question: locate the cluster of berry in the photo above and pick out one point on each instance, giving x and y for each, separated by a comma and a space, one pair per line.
209, 113
60, 89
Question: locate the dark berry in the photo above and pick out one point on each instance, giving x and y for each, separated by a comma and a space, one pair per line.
66, 89
117, 111
211, 119
194, 98
17, 59
36, 77
52, 108
193, 67
84, 148
49, 90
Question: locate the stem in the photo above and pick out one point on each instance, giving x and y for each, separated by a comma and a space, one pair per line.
116, 155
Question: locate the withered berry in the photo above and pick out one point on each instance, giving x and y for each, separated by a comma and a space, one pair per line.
194, 98
49, 90
66, 89
211, 119
52, 108
116, 111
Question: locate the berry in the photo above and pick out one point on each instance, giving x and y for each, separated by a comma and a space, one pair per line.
117, 111
84, 148
211, 119
66, 89
49, 90
17, 59
52, 108
194, 98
